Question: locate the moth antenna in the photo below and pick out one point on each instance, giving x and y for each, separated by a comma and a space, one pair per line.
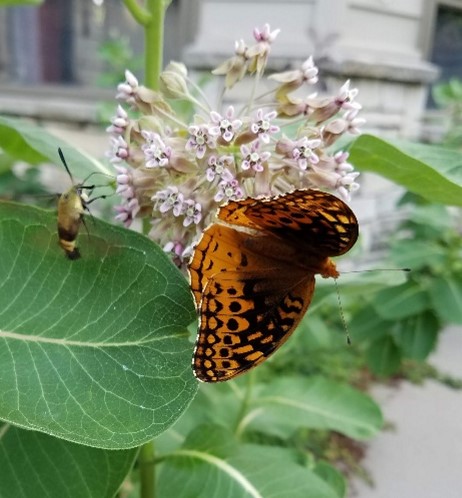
342, 313
91, 187
61, 156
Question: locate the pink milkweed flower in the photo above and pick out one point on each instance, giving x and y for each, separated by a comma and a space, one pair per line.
218, 166
291, 80
119, 150
262, 126
201, 138
156, 153
225, 127
127, 90
259, 53
119, 122
169, 199
235, 67
192, 211
127, 211
228, 188
252, 159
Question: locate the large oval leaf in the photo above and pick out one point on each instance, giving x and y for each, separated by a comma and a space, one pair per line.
446, 297
209, 464
417, 335
367, 325
35, 464
401, 301
434, 173
384, 357
34, 144
292, 402
96, 350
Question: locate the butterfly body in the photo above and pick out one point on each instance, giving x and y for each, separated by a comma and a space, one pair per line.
253, 275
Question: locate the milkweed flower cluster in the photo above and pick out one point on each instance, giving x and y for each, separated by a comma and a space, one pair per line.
181, 158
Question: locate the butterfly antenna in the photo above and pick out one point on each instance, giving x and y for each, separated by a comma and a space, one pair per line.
376, 269
339, 300
61, 156
342, 313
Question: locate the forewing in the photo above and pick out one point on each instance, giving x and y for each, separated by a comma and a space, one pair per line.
316, 221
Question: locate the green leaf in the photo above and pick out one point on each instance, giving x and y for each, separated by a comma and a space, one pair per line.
418, 254
95, 350
35, 464
368, 325
355, 285
433, 216
401, 301
217, 403
288, 403
417, 335
331, 476
12, 3
6, 164
384, 357
34, 144
313, 333
447, 162
208, 465
437, 179
448, 92
446, 297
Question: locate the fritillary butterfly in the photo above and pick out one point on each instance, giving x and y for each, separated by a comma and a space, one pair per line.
252, 275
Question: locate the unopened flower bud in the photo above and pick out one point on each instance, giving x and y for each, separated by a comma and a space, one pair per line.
173, 84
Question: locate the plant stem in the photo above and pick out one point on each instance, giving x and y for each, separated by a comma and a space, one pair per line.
151, 17
139, 13
147, 467
153, 42
146, 225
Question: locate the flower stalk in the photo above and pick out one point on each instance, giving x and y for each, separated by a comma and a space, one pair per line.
147, 467
151, 17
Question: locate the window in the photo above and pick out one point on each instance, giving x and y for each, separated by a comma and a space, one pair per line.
446, 51
61, 42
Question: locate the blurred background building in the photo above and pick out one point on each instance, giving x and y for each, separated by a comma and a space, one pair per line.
60, 61
52, 57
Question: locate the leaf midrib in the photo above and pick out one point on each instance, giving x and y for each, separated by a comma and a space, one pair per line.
280, 400
66, 342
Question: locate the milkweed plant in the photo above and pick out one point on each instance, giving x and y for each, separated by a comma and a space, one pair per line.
178, 170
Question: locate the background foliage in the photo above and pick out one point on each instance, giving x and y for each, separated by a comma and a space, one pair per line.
96, 353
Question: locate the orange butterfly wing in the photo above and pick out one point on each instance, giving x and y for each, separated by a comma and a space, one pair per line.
252, 275
317, 221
